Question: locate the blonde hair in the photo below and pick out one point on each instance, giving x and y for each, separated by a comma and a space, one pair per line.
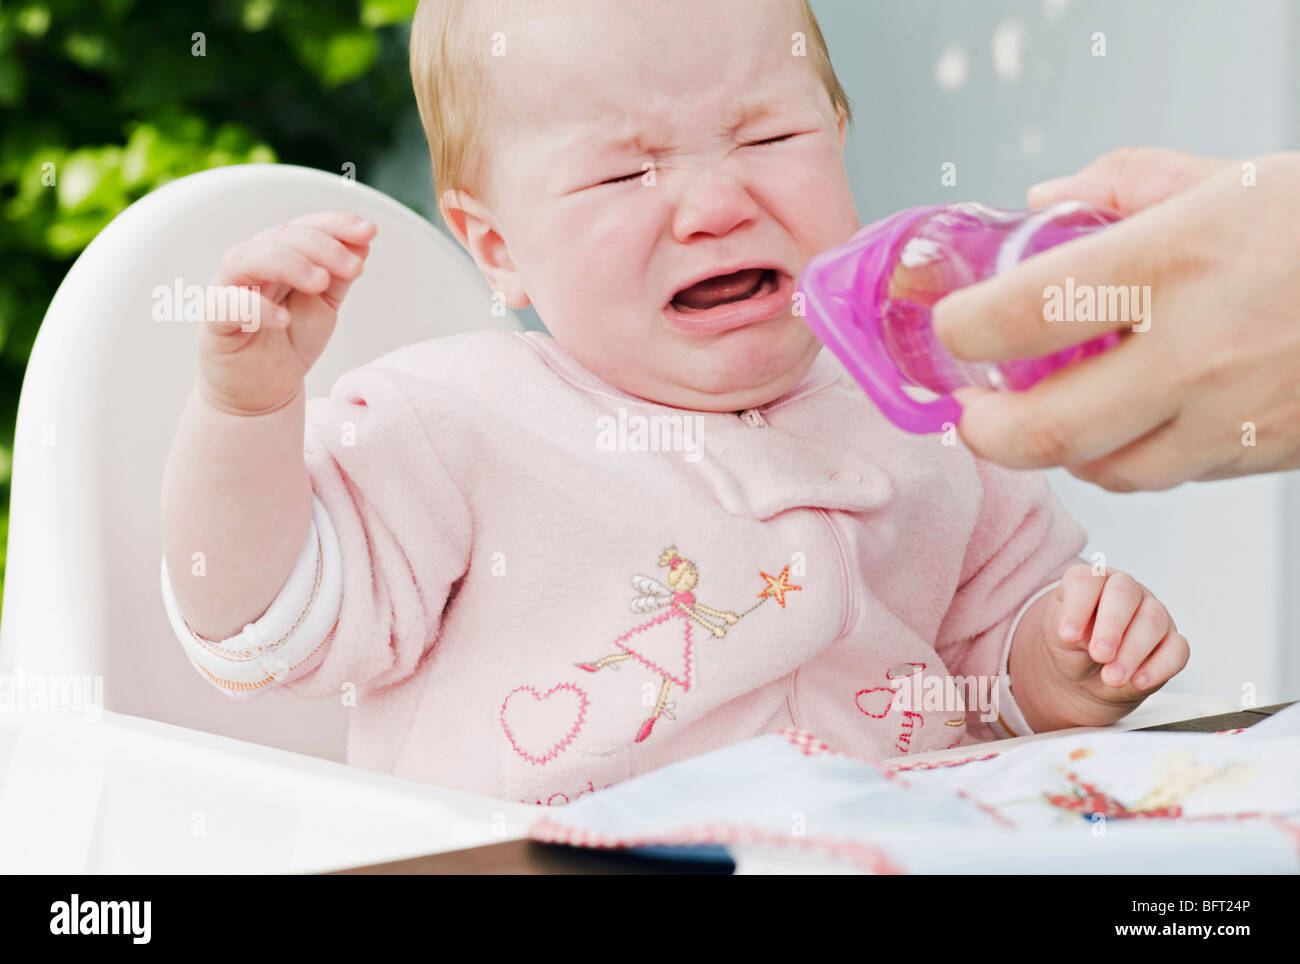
449, 79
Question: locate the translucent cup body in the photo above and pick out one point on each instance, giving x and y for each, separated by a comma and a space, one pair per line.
870, 300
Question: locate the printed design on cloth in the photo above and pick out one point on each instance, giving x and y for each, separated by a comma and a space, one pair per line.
664, 644
1177, 777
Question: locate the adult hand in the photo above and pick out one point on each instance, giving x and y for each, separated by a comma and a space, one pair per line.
1212, 389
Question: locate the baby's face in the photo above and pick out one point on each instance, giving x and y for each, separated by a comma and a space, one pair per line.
647, 147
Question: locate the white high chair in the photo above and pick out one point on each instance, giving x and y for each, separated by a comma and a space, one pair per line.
99, 404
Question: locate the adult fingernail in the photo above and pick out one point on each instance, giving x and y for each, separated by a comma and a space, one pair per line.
1051, 186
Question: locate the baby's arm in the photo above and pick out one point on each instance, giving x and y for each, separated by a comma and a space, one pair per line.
236, 508
236, 499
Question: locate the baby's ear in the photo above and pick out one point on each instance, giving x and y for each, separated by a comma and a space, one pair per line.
472, 224
451, 205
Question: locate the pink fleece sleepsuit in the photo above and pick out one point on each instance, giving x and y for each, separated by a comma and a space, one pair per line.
537, 585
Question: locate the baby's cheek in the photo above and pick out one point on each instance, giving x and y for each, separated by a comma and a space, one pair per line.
820, 210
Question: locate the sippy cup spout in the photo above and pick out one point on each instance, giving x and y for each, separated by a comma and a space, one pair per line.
842, 291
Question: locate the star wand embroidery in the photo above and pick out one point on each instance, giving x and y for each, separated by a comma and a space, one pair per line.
663, 644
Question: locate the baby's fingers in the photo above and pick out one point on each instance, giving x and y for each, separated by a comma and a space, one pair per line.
266, 263
346, 227
242, 308
319, 248
1078, 593
1149, 626
1164, 664
1119, 601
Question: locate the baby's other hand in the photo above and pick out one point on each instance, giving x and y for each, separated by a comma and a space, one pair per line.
303, 269
1109, 644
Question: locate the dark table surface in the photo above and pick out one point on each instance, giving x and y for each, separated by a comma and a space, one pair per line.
530, 857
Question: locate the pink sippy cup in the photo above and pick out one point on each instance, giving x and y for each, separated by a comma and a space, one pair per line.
869, 301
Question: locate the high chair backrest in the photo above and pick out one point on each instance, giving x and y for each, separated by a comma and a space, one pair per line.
100, 401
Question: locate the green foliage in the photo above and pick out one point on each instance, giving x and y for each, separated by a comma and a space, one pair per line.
101, 102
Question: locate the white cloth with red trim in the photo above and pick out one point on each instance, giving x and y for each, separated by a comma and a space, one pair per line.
1095, 802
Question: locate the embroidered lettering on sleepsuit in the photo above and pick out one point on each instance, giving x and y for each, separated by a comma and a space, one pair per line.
878, 701
557, 799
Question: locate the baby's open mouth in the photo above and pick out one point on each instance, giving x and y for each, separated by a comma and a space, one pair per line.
725, 288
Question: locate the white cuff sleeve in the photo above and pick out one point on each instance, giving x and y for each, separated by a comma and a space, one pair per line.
290, 637
1010, 719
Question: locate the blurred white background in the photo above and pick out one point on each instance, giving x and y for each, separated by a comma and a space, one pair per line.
1012, 93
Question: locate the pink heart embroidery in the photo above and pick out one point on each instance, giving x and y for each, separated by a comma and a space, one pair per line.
878, 697
540, 725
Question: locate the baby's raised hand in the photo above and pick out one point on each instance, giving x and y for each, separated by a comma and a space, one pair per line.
303, 269
1105, 643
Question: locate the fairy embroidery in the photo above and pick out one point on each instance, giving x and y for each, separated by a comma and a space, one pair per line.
664, 643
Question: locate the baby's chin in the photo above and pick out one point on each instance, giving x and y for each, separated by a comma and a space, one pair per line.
723, 381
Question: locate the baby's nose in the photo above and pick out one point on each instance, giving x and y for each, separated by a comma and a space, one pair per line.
713, 204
